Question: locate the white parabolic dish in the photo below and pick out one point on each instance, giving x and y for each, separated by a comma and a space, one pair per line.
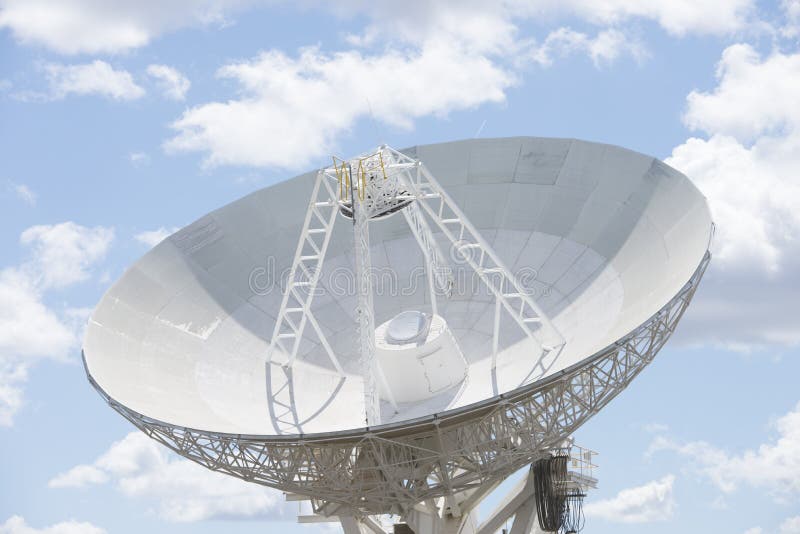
603, 238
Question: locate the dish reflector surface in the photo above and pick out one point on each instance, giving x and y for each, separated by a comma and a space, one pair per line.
601, 236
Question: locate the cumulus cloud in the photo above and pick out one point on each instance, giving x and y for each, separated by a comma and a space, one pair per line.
91, 26
152, 238
773, 466
95, 78
753, 193
754, 95
292, 108
27, 326
60, 255
181, 490
17, 525
678, 17
746, 164
604, 48
418, 18
643, 504
172, 82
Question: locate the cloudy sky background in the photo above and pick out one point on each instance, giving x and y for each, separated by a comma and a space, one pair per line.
121, 121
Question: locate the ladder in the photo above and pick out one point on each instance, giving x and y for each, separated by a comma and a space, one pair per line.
295, 310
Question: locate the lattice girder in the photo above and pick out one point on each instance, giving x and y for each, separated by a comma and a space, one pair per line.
396, 466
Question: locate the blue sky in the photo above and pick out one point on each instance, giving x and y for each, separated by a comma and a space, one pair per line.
122, 120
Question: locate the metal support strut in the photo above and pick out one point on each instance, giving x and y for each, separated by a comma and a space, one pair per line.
364, 312
478, 254
295, 310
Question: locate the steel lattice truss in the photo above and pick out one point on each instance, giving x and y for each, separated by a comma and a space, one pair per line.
391, 468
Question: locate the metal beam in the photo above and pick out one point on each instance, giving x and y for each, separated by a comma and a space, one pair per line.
479, 255
513, 501
365, 311
304, 275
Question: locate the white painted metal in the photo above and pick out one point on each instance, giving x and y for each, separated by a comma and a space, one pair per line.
295, 308
474, 249
617, 242
424, 368
597, 225
522, 493
496, 331
393, 468
437, 270
365, 311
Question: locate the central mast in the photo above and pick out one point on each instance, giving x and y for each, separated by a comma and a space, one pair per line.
365, 311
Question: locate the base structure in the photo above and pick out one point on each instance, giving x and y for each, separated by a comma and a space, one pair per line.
520, 511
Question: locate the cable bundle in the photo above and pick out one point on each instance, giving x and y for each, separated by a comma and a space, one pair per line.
572, 519
549, 477
559, 508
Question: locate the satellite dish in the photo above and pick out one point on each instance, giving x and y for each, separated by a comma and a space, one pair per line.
404, 327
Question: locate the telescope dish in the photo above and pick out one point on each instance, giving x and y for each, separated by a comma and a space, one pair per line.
451, 311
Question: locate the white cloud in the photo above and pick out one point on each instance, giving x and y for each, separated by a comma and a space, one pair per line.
25, 193
678, 17
92, 26
152, 238
773, 466
64, 253
753, 95
753, 193
12, 377
791, 12
79, 476
27, 326
643, 504
492, 22
790, 525
95, 78
17, 525
754, 530
180, 489
61, 255
747, 167
481, 27
604, 48
291, 109
173, 84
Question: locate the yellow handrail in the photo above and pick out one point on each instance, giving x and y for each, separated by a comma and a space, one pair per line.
383, 169
343, 175
346, 174
338, 178
362, 177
